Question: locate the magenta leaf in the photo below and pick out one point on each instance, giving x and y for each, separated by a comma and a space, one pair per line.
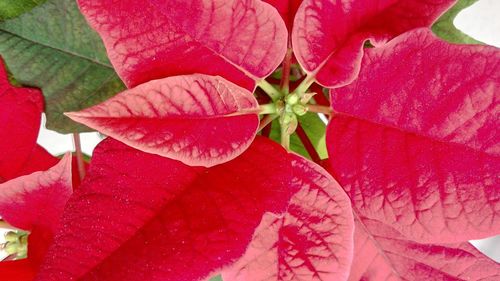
313, 240
139, 216
328, 35
20, 116
36, 200
381, 253
197, 119
241, 41
34, 203
414, 140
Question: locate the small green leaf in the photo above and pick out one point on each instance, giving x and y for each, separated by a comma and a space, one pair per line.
13, 8
445, 29
216, 278
52, 48
315, 130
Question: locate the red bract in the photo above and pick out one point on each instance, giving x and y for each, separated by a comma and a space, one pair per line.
20, 116
241, 41
34, 203
139, 216
180, 117
313, 240
414, 142
328, 35
287, 10
381, 253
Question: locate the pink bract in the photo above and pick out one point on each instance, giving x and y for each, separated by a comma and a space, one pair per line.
328, 35
241, 41
197, 119
414, 140
153, 218
313, 240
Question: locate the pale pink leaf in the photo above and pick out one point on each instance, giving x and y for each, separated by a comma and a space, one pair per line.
198, 119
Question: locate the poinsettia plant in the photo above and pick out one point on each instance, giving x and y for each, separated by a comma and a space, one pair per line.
215, 161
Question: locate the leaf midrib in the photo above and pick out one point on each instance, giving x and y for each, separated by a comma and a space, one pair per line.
70, 53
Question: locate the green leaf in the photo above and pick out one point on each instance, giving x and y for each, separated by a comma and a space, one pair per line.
13, 8
445, 29
315, 130
52, 48
216, 278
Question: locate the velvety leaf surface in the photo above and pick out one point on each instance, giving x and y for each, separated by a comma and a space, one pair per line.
444, 27
19, 270
414, 141
139, 216
61, 55
328, 35
13, 8
20, 114
381, 253
313, 240
241, 41
198, 119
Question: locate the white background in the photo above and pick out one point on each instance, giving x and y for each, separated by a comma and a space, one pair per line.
481, 21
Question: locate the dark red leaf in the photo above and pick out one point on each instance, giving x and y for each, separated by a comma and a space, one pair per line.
197, 119
313, 240
139, 216
328, 35
20, 116
414, 140
239, 40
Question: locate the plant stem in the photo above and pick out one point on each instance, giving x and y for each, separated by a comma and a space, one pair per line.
266, 121
79, 155
285, 137
267, 108
304, 85
269, 89
285, 75
320, 109
308, 145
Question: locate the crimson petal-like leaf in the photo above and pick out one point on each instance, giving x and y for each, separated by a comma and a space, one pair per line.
34, 203
241, 41
381, 253
20, 116
18, 270
197, 119
414, 140
313, 240
36, 200
328, 35
139, 216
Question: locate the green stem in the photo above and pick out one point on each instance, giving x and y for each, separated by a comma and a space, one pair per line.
272, 92
304, 85
320, 109
285, 137
269, 108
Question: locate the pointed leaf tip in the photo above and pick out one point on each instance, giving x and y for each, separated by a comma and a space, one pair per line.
197, 119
